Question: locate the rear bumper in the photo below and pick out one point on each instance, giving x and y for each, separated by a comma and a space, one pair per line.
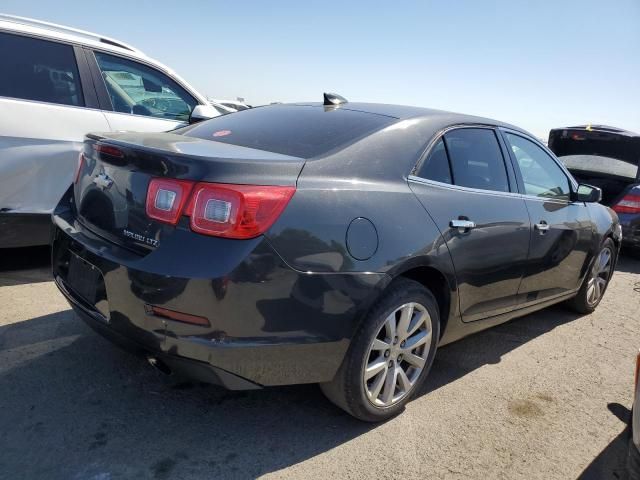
270, 324
184, 366
630, 224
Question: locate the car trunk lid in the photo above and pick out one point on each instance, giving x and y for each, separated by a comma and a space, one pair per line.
114, 177
605, 157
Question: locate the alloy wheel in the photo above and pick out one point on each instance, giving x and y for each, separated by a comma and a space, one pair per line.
397, 355
600, 273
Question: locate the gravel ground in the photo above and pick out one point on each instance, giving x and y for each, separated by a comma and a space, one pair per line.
546, 396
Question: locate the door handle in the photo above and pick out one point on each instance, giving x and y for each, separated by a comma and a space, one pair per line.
542, 226
462, 224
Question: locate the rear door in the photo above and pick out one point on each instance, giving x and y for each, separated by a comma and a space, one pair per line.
562, 233
470, 192
137, 97
47, 105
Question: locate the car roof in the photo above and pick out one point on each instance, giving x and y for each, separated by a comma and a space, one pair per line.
404, 112
61, 32
53, 31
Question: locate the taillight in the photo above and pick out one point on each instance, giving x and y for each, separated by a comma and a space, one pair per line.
166, 199
108, 150
79, 167
236, 211
628, 204
218, 209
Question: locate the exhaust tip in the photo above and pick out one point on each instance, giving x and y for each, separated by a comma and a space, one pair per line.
159, 365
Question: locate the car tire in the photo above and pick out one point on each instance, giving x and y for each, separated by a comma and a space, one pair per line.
584, 302
369, 399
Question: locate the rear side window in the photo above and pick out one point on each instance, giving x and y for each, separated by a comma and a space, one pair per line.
436, 165
298, 130
476, 159
34, 69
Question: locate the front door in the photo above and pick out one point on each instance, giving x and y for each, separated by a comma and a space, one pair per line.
468, 189
140, 98
562, 231
44, 115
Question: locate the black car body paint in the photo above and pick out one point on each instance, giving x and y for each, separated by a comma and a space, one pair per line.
284, 306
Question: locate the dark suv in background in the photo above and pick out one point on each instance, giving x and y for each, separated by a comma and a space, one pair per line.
608, 158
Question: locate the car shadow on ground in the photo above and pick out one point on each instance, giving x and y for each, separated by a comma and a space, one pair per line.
628, 264
611, 462
488, 347
19, 266
75, 406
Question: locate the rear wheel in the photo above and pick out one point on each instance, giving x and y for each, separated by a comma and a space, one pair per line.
390, 356
597, 280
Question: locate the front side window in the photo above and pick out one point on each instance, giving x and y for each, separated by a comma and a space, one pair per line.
141, 90
541, 175
476, 159
34, 69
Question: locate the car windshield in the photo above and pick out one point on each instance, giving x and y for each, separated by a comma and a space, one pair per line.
303, 131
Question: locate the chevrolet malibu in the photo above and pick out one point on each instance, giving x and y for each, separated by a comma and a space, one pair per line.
335, 243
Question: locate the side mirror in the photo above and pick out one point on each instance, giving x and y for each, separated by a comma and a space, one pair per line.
202, 112
587, 193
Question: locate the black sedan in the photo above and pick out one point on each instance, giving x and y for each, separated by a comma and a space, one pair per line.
334, 243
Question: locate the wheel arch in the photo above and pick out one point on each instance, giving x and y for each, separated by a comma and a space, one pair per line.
436, 282
438, 278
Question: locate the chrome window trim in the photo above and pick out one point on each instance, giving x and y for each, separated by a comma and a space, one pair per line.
449, 186
572, 181
547, 199
39, 36
440, 135
111, 112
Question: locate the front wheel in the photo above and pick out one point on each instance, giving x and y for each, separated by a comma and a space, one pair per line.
597, 280
390, 356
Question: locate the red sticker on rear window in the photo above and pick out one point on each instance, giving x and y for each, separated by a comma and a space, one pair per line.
222, 133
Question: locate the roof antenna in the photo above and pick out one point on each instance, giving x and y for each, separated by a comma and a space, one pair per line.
334, 99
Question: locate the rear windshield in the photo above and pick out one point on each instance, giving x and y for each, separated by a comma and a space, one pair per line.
297, 130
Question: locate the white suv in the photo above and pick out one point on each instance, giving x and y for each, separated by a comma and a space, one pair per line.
56, 85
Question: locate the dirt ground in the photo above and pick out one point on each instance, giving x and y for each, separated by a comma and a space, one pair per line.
546, 396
